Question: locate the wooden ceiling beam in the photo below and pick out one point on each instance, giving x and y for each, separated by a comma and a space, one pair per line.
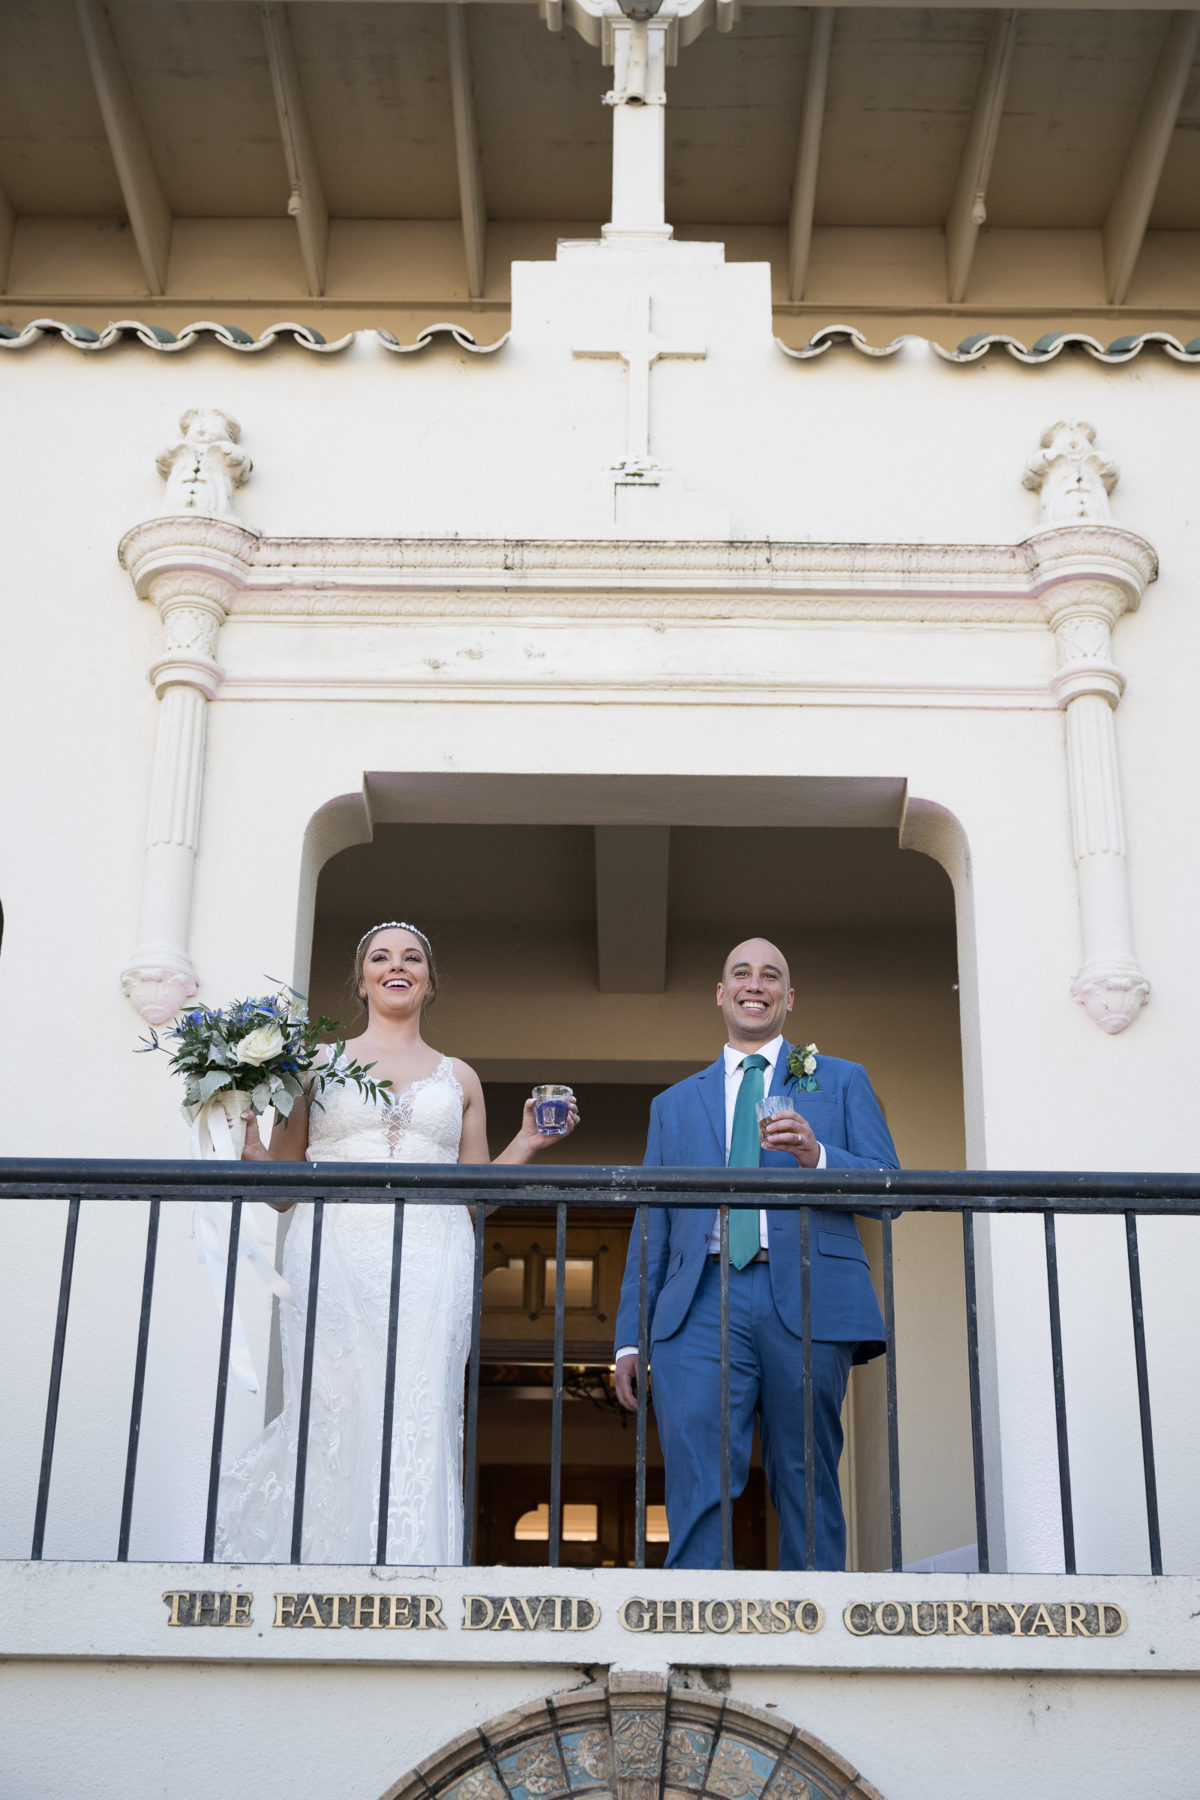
968, 204
808, 150
466, 149
307, 201
141, 189
631, 908
8, 227
1129, 213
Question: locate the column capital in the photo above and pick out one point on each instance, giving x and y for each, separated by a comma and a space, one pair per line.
1081, 615
193, 607
1086, 576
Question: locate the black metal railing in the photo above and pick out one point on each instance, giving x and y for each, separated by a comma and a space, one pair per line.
970, 1195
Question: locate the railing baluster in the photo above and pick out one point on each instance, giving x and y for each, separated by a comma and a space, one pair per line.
306, 1380
1143, 1382
470, 1447
556, 1414
893, 1409
980, 1474
643, 1388
806, 1376
726, 1429
218, 1430
56, 1369
1060, 1399
389, 1385
139, 1382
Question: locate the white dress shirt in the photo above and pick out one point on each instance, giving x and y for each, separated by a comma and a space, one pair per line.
733, 1081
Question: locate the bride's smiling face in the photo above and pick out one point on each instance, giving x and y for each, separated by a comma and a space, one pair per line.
396, 978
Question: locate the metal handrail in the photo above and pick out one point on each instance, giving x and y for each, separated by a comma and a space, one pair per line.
887, 1194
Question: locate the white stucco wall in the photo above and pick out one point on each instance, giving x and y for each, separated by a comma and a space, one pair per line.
517, 445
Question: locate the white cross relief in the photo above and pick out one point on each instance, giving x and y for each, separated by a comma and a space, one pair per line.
639, 351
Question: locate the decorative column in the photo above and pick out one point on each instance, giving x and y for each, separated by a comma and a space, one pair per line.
1090, 572
202, 468
639, 49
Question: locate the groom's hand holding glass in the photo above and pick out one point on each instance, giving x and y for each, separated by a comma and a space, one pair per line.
781, 1128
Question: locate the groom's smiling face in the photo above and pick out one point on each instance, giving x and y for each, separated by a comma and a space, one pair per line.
755, 993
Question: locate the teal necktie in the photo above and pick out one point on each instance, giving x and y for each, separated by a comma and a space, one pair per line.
745, 1153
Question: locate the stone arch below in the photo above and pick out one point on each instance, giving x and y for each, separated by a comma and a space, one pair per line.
640, 1738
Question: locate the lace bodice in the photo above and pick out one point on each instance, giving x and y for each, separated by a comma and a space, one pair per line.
422, 1124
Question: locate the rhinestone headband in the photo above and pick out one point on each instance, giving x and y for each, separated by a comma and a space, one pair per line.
393, 925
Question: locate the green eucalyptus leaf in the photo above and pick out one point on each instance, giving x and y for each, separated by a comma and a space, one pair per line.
210, 1084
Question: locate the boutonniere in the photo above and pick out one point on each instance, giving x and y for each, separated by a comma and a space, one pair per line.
802, 1063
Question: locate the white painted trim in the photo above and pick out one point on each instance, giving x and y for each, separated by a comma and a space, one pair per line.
440, 689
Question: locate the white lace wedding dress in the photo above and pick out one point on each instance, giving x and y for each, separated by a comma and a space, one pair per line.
341, 1500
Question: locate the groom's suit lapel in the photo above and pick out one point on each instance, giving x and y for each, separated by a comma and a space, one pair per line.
711, 1083
781, 1080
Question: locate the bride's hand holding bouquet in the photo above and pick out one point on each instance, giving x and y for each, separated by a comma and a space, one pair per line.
248, 1063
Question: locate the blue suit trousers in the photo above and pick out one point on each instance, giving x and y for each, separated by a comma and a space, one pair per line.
765, 1376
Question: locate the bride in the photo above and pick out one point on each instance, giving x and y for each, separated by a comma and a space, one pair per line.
436, 1115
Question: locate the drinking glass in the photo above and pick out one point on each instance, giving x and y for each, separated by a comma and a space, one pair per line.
766, 1108
551, 1109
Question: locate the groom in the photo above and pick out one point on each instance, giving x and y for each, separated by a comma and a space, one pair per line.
709, 1121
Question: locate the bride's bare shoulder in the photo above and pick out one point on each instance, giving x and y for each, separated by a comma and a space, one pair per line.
467, 1079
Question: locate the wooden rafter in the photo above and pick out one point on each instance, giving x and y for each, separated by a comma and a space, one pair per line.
141, 189
307, 202
968, 205
808, 150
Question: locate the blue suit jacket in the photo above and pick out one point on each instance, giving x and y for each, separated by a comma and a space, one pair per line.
687, 1130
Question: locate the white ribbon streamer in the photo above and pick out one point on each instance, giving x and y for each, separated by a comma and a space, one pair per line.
211, 1137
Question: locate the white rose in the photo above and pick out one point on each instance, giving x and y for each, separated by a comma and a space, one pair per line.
810, 1065
259, 1046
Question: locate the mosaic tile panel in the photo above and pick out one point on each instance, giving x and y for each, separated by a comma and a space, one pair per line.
739, 1771
480, 1784
533, 1771
688, 1750
637, 1741
796, 1779
589, 1757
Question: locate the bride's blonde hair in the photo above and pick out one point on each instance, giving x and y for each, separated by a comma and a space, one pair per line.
364, 945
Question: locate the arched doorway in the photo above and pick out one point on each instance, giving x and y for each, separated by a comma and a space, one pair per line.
581, 924
636, 1739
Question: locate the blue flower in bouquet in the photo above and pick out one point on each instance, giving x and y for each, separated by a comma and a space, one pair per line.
266, 1046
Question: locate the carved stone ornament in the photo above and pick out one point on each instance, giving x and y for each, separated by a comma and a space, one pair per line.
204, 466
159, 989
1112, 995
1072, 478
606, 1744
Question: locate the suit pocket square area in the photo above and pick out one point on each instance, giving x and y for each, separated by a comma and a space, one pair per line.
831, 1243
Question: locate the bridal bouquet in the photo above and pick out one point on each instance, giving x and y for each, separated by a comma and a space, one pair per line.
261, 1053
